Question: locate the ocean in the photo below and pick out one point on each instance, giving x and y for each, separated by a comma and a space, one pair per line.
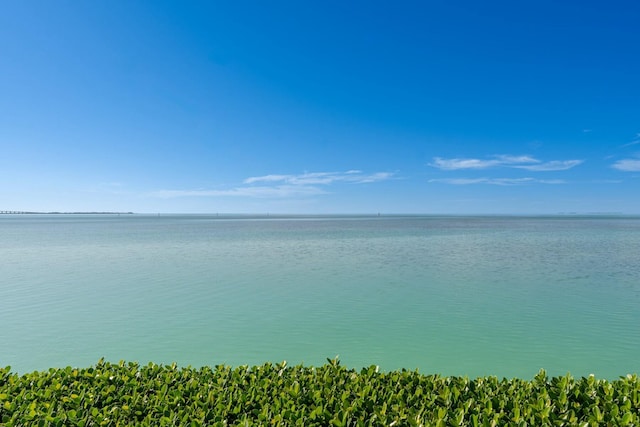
451, 295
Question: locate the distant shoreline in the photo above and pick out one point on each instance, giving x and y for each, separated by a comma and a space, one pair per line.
63, 213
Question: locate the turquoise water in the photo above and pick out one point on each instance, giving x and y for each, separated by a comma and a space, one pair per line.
472, 296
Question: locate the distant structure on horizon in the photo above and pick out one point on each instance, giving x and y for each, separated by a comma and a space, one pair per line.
62, 213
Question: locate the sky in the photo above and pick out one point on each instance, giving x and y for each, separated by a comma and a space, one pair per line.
320, 107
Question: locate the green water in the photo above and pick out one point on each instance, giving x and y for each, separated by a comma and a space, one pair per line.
472, 296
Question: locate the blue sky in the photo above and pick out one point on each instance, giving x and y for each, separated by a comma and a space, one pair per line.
320, 107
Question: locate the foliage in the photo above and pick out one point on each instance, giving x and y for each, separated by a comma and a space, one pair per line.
330, 395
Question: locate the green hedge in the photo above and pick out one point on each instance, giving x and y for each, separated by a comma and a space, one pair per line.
157, 395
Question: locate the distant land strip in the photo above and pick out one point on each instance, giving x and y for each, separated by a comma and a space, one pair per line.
62, 213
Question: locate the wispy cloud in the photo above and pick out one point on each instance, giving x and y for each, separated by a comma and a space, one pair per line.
496, 181
636, 142
607, 181
322, 178
627, 165
282, 186
258, 191
519, 162
554, 165
460, 163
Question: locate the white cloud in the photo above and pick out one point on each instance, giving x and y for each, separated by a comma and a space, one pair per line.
307, 184
627, 165
501, 160
507, 159
554, 165
266, 178
520, 162
496, 181
455, 164
376, 177
276, 191
322, 178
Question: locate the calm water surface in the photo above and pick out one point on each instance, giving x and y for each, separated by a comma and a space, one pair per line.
472, 296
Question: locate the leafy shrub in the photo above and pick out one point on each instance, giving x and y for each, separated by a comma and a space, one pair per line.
330, 395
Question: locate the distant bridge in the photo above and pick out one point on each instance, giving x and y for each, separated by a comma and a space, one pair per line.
63, 213
15, 212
